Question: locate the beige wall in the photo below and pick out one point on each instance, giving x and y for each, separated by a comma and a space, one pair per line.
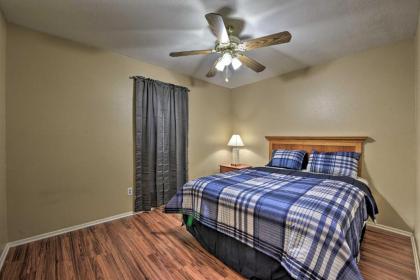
3, 204
365, 94
69, 131
69, 106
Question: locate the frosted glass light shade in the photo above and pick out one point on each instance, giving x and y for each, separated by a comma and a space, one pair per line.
226, 59
236, 63
236, 141
220, 66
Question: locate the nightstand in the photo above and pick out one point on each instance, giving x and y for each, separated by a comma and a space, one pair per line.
227, 167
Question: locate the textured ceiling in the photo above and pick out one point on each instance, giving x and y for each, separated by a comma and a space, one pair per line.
322, 30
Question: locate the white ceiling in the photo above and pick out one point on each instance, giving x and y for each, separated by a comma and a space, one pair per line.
322, 30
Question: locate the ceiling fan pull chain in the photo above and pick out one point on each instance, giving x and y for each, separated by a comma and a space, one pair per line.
227, 74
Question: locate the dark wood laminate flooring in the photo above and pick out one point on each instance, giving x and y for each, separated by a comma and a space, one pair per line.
155, 246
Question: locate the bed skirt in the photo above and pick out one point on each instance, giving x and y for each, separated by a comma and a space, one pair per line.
247, 261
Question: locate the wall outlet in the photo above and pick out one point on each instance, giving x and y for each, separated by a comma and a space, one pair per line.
130, 191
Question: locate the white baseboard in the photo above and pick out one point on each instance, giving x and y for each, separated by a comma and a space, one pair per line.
405, 233
390, 229
58, 232
68, 229
416, 256
4, 254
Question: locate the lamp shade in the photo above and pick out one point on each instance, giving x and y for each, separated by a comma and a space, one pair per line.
235, 141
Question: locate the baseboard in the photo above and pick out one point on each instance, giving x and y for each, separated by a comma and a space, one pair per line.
4, 254
390, 229
416, 256
405, 233
58, 232
68, 229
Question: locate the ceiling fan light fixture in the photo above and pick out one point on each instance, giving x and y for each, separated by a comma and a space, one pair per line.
236, 63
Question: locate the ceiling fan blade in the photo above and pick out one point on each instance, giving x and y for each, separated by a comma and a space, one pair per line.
251, 63
185, 53
273, 39
212, 72
217, 26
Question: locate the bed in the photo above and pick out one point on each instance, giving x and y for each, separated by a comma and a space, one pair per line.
276, 223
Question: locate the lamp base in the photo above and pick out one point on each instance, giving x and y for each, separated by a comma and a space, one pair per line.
235, 156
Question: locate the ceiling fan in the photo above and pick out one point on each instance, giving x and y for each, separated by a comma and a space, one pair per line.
232, 49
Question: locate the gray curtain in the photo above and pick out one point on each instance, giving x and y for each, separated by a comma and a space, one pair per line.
161, 112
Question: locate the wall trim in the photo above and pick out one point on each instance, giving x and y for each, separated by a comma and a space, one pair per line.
15, 243
68, 229
391, 229
405, 233
4, 254
416, 256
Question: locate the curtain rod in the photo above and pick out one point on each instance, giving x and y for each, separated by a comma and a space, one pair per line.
135, 77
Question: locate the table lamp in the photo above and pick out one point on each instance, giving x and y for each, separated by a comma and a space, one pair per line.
235, 142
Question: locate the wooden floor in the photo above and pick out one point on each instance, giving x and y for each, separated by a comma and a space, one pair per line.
155, 246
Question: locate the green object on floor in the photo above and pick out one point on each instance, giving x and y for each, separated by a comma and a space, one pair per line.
190, 221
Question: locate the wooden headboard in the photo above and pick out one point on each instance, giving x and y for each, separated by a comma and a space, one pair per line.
321, 144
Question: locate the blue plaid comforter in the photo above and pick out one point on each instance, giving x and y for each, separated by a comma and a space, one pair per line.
311, 224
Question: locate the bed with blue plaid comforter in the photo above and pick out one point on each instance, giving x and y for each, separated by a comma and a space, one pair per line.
310, 223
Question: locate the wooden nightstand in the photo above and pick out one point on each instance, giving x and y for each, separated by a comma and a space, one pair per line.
227, 167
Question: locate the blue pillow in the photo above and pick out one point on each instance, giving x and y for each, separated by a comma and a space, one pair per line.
334, 163
291, 159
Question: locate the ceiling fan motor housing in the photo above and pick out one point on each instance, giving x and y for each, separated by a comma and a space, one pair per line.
233, 46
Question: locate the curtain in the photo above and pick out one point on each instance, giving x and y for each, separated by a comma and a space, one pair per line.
161, 130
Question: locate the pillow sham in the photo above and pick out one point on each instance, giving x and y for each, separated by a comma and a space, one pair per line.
334, 163
291, 159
